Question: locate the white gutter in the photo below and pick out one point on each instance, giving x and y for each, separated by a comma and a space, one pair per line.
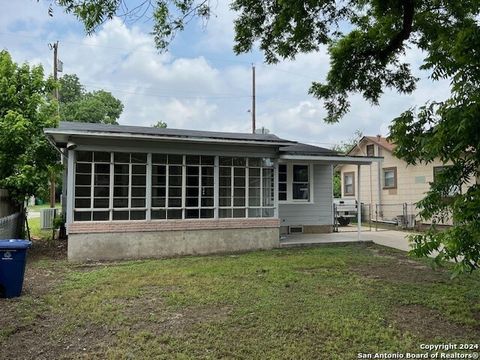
334, 159
160, 137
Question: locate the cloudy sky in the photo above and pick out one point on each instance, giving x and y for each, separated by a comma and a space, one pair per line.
200, 83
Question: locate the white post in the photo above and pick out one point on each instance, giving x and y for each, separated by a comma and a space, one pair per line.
275, 189
70, 186
359, 206
216, 187
148, 189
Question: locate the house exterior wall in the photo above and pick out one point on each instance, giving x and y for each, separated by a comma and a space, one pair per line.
115, 239
315, 216
412, 181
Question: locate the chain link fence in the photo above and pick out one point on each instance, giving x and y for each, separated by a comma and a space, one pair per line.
375, 216
389, 216
346, 219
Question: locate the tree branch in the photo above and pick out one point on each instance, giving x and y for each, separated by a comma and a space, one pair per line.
396, 42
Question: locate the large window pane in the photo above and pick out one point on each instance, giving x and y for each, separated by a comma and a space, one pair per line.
300, 173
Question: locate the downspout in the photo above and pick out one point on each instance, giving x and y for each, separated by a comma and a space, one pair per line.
379, 182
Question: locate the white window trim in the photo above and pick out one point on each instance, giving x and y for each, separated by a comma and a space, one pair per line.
148, 191
290, 199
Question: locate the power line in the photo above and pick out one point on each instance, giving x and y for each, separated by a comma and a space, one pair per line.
171, 95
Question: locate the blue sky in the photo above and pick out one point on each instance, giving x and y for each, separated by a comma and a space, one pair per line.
199, 83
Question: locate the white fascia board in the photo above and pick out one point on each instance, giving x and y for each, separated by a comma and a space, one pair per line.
52, 133
363, 160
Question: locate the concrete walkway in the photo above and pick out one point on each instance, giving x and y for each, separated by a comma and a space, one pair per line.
391, 238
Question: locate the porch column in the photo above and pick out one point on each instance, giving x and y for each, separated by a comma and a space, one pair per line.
216, 187
70, 186
275, 188
359, 206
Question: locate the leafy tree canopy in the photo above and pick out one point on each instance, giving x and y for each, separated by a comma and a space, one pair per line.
366, 41
26, 108
160, 125
78, 105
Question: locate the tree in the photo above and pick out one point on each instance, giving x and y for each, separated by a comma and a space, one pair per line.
70, 88
160, 125
344, 148
94, 107
26, 108
366, 40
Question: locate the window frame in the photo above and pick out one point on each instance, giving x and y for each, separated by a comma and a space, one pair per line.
384, 171
157, 186
370, 146
289, 181
345, 174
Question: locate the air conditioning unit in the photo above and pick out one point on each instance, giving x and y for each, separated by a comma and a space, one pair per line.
411, 221
46, 218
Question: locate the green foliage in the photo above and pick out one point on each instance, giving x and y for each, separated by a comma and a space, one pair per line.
366, 56
160, 125
26, 108
58, 221
94, 107
337, 185
70, 88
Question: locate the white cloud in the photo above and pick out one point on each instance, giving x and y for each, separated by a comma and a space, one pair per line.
200, 92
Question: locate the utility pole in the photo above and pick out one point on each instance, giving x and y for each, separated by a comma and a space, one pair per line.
253, 99
54, 47
55, 66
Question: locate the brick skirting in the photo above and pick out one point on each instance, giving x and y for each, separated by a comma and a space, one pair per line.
91, 227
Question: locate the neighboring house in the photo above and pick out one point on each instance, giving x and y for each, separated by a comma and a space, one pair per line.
389, 184
135, 192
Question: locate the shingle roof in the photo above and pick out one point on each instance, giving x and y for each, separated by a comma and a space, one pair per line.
383, 142
305, 149
178, 133
379, 140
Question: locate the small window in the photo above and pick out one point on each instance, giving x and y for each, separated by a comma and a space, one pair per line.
390, 178
371, 150
349, 184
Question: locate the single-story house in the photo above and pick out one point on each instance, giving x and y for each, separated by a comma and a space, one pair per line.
133, 192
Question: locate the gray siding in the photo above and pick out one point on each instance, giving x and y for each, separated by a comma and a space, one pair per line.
317, 213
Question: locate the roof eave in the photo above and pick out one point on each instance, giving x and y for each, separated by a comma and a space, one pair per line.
334, 159
51, 132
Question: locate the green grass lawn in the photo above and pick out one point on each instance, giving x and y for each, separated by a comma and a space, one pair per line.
36, 232
328, 302
37, 208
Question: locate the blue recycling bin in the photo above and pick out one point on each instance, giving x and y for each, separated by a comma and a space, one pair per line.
13, 256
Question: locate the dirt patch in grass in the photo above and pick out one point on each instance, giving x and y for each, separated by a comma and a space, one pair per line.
429, 324
43, 340
149, 312
47, 249
395, 266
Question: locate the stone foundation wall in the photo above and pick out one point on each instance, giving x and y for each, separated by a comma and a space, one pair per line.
151, 239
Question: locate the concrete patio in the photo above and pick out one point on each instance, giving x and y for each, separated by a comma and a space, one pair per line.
391, 238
